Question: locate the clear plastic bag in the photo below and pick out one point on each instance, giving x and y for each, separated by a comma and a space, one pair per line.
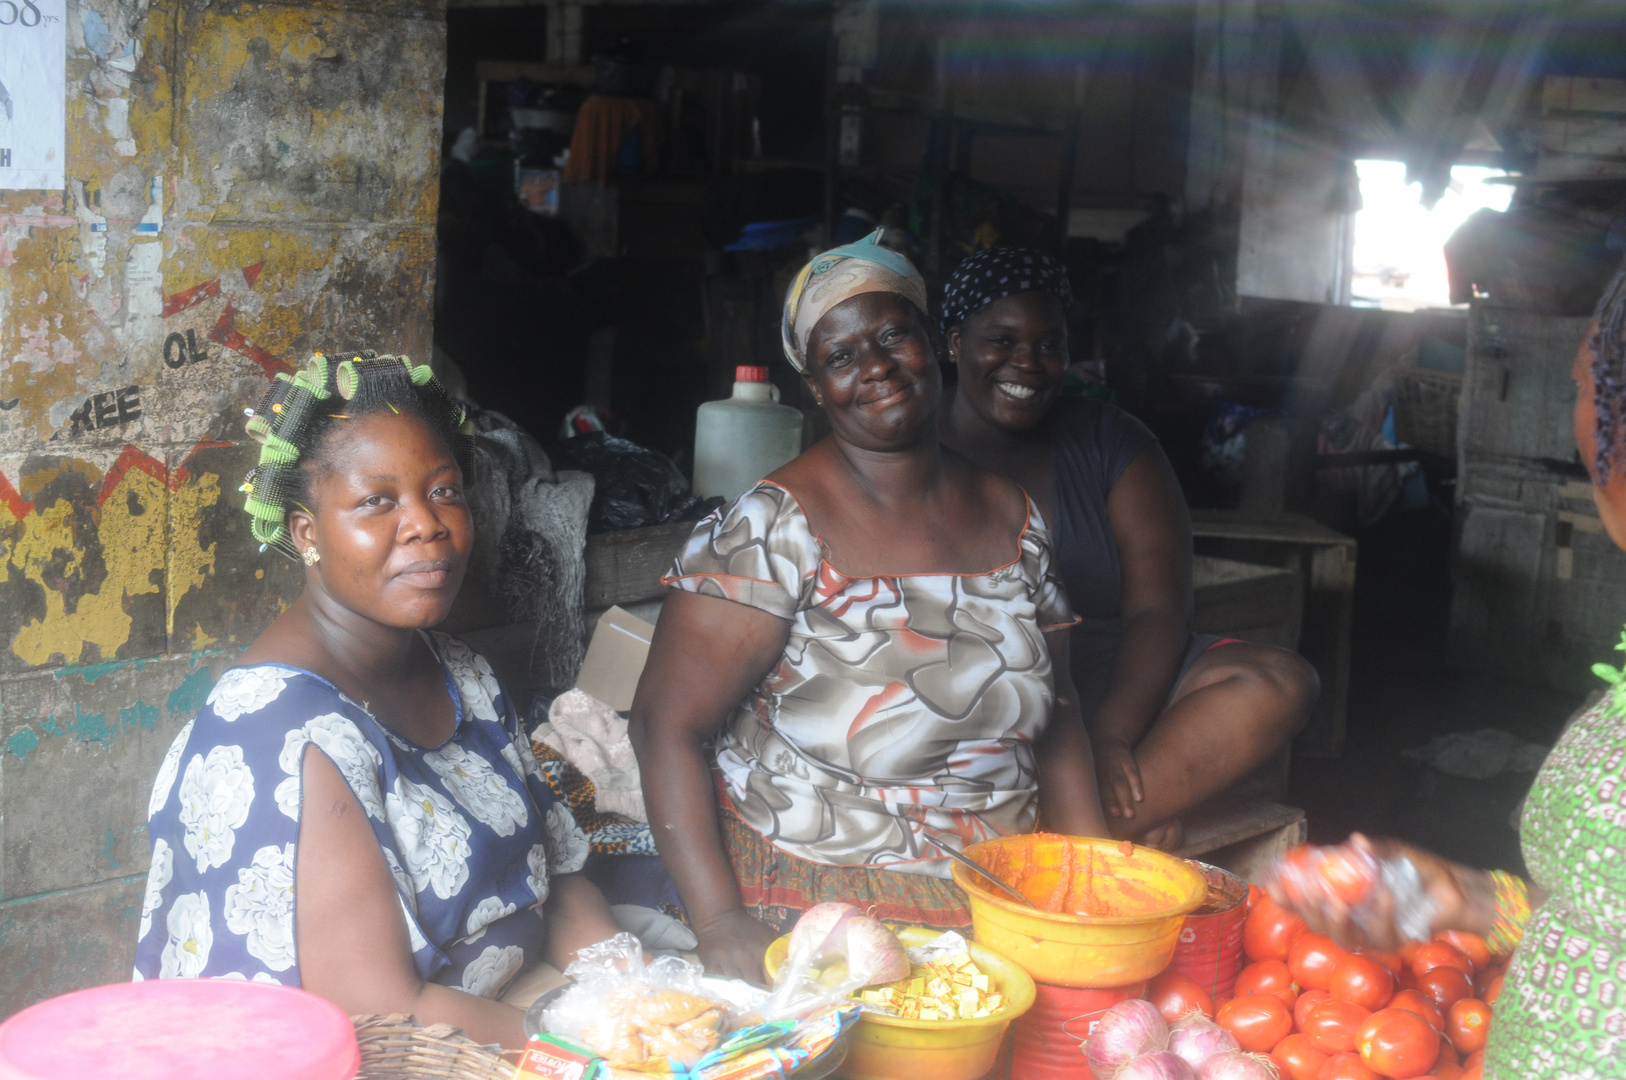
655, 1017
1351, 876
834, 950
807, 984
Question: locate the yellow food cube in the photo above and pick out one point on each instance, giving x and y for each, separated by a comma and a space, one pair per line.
995, 1002
980, 982
917, 986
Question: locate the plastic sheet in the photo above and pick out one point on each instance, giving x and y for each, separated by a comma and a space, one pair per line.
634, 486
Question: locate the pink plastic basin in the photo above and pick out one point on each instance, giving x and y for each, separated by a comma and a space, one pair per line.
181, 1029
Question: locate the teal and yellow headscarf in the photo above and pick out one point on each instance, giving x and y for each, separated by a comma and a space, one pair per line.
841, 274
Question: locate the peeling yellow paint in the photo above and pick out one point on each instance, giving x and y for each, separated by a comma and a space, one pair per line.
131, 532
268, 160
190, 563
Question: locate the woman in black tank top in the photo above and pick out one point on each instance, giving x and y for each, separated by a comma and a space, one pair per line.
1174, 717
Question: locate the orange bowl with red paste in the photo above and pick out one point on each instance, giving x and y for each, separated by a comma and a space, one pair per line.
1106, 913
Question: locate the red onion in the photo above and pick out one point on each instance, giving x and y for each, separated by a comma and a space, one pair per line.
1125, 1031
1237, 1067
1159, 1066
874, 952
1196, 1039
821, 931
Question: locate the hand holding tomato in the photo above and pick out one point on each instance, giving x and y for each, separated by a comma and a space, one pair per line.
1327, 912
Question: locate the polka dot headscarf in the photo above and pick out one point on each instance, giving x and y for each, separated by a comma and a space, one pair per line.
997, 273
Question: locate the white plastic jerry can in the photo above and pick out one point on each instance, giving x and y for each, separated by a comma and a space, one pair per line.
741, 439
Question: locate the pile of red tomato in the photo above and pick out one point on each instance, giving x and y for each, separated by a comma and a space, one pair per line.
1323, 1013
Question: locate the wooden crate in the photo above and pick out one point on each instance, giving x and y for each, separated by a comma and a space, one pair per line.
1324, 560
1537, 586
1262, 604
1242, 835
1582, 131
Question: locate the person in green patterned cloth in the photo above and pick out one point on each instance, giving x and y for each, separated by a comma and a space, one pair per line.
1562, 1011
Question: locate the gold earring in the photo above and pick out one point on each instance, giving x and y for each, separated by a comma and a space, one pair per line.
310, 556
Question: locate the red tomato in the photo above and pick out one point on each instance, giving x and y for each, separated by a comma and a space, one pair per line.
1407, 950
1406, 980
1433, 954
1448, 1055
1255, 895
1270, 931
1333, 1025
1390, 960
1307, 1001
1484, 977
1475, 1060
1175, 995
1469, 1072
1447, 1072
1412, 1001
1397, 1043
1493, 990
1258, 1021
1363, 980
1470, 945
1311, 960
1268, 977
1345, 1067
1444, 986
1347, 873
1300, 1058
1467, 1023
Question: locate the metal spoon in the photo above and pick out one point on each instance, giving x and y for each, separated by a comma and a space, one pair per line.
971, 864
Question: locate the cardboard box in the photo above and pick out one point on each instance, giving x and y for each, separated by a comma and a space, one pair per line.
615, 658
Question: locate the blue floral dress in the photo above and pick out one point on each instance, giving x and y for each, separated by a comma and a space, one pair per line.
469, 829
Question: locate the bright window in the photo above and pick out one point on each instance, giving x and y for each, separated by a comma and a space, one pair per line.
1399, 246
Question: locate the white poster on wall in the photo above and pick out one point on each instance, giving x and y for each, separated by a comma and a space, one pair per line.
33, 93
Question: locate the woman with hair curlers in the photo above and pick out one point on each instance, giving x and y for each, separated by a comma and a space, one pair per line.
356, 810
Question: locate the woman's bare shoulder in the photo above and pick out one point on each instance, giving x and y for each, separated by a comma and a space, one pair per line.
990, 493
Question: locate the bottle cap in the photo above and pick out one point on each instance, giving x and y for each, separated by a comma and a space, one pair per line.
750, 373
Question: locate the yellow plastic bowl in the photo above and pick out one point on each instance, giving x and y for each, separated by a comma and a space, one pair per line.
1148, 891
892, 1048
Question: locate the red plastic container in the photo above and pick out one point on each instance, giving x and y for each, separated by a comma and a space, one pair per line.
1210, 946
1048, 1039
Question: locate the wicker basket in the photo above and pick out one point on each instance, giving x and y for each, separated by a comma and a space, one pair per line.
1426, 409
398, 1048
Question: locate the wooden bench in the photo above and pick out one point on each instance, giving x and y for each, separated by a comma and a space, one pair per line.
1242, 834
1325, 561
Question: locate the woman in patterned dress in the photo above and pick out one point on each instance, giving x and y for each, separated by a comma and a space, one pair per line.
356, 810
863, 646
1562, 1010
1174, 716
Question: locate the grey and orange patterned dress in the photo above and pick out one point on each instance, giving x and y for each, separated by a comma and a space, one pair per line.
904, 705
1562, 1012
